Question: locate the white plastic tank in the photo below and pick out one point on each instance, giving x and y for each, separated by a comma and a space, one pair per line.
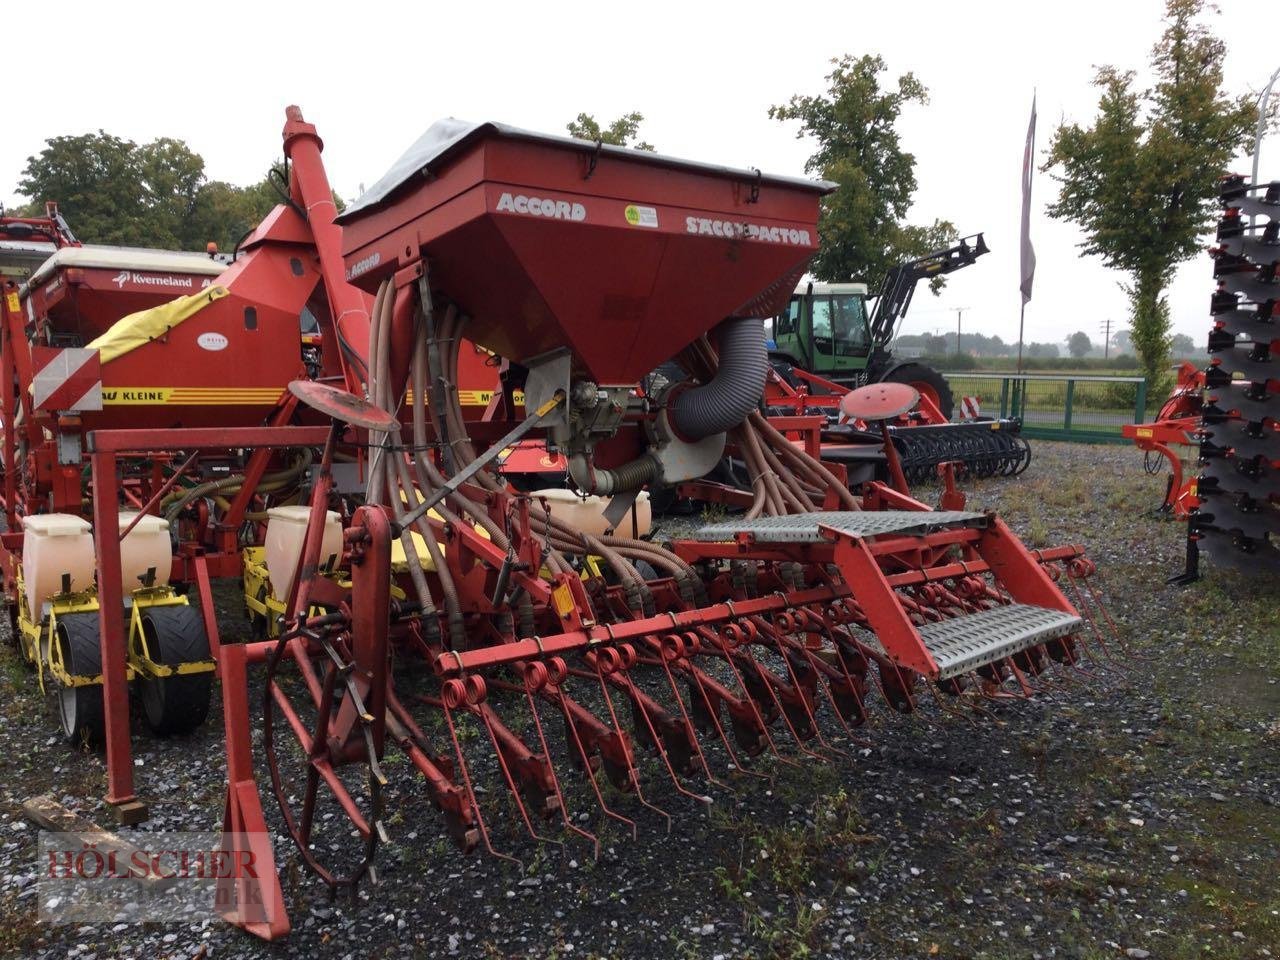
587, 513
146, 546
55, 544
286, 534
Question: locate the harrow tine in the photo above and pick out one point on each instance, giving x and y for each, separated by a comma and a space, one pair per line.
831, 673
975, 696
1085, 609
688, 724
696, 674
489, 719
767, 680
558, 696
728, 654
947, 708
1023, 686
453, 802
632, 771
783, 642
820, 670
555, 781
639, 700
1106, 613
466, 777
846, 645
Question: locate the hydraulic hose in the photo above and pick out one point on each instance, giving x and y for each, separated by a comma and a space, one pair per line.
630, 476
177, 501
374, 487
733, 392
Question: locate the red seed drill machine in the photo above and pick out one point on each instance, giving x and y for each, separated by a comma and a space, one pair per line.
516, 660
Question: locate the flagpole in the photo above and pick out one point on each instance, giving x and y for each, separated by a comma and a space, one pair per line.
1028, 253
1022, 316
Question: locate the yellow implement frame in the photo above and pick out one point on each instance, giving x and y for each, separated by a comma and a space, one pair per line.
39, 646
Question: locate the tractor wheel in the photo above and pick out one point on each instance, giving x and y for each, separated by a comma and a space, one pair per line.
928, 381
80, 708
176, 704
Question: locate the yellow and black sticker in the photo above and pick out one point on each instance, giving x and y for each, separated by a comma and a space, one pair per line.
190, 396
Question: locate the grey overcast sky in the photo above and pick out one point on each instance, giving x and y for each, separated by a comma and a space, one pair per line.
373, 75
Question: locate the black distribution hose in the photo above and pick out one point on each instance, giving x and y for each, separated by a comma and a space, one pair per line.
734, 392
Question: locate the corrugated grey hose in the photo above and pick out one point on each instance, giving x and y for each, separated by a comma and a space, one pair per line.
729, 397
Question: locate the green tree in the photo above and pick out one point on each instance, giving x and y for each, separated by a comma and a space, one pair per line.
1141, 181
1183, 346
862, 224
623, 132
1079, 344
1048, 351
97, 182
154, 195
170, 178
223, 213
936, 346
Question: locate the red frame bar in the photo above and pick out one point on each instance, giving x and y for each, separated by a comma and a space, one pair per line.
190, 438
676, 622
103, 447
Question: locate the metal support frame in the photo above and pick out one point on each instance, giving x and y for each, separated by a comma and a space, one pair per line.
104, 448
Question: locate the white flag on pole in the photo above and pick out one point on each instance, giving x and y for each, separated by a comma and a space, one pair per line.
1028, 167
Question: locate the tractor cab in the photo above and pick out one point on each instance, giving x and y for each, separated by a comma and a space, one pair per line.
824, 327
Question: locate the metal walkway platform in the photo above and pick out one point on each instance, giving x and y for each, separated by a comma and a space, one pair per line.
802, 527
966, 643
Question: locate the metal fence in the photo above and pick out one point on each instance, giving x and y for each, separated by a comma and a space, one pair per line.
1057, 406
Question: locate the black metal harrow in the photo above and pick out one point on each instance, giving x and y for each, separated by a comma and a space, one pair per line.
1238, 521
984, 448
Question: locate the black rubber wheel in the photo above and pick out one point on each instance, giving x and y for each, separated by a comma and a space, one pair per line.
180, 703
80, 708
928, 381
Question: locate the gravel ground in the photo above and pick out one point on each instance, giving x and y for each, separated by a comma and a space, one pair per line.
1132, 814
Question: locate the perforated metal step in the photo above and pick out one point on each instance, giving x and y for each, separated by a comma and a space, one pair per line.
801, 527
966, 643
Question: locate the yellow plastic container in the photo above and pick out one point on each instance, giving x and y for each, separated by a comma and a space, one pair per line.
55, 544
146, 546
286, 533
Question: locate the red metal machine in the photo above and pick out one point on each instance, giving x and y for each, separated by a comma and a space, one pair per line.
1177, 425
585, 267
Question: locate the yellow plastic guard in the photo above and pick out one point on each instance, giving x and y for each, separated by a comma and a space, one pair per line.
138, 329
398, 558
562, 597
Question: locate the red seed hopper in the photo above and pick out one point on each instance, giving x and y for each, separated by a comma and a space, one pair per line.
625, 256
183, 340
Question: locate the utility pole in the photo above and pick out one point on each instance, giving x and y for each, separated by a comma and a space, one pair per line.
1106, 338
959, 313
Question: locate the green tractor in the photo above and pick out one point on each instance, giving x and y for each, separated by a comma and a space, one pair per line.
827, 330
